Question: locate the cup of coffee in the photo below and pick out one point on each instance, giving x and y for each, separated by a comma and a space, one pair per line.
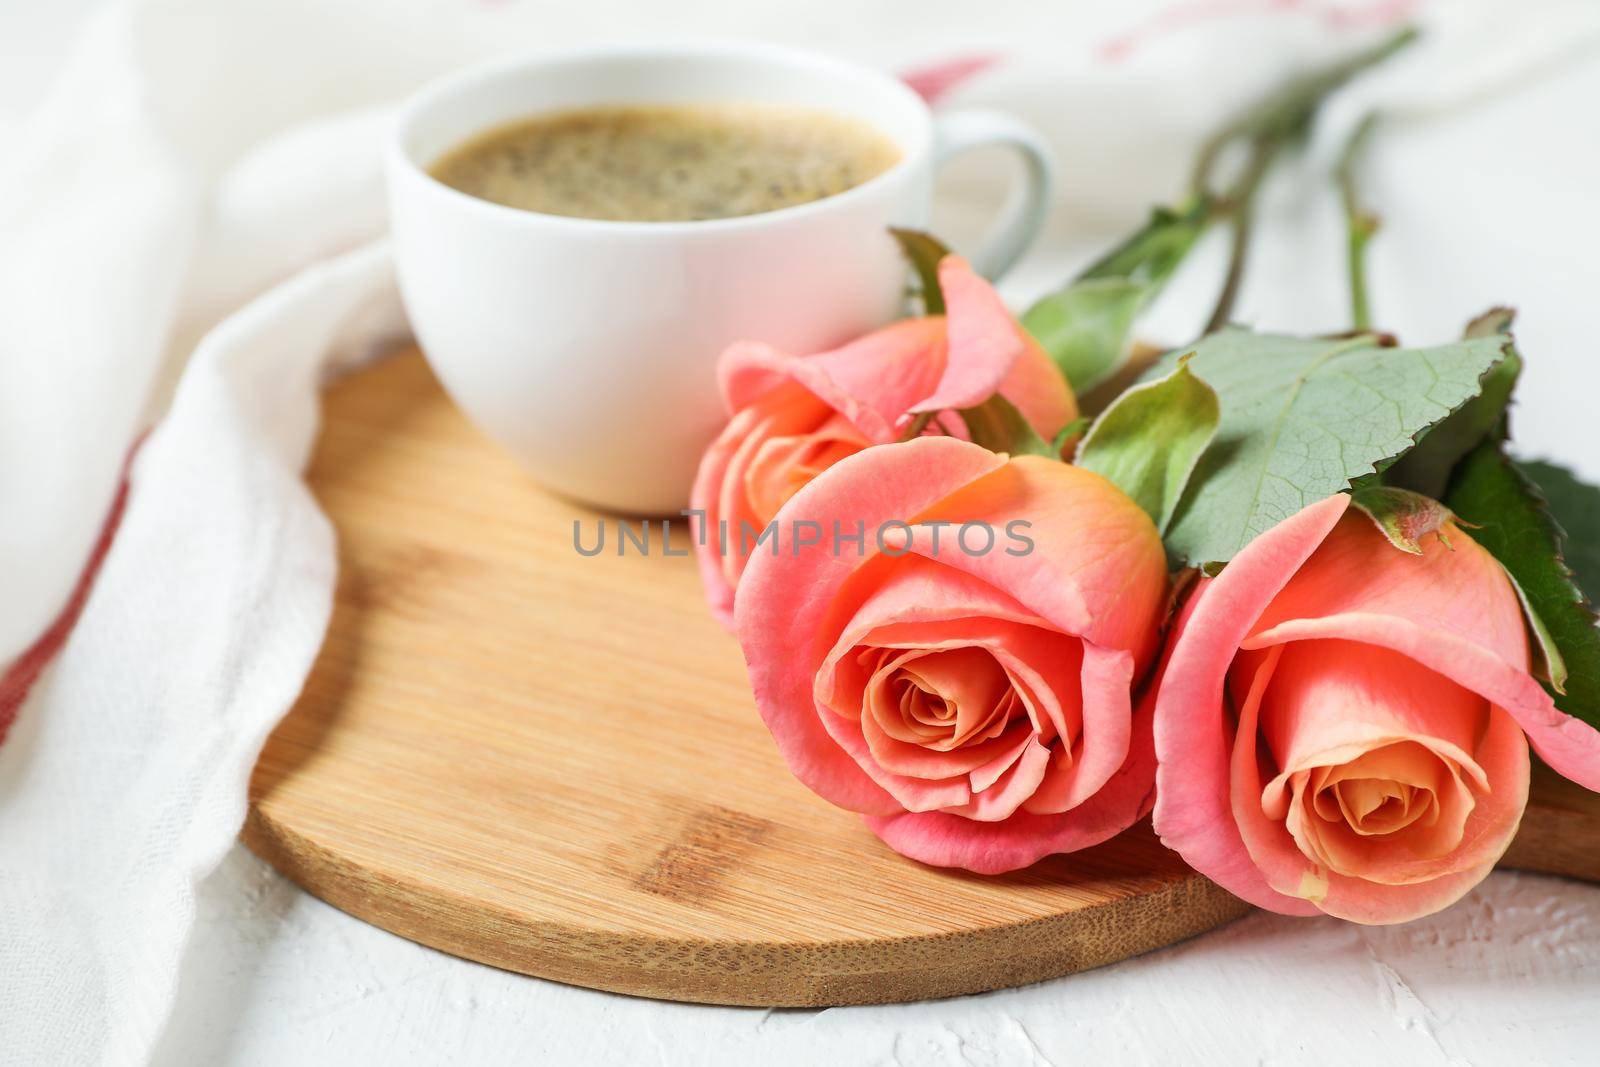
579, 236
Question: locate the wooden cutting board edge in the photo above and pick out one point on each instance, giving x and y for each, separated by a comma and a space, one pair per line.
753, 973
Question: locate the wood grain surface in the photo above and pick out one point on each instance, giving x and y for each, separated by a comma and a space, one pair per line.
550, 763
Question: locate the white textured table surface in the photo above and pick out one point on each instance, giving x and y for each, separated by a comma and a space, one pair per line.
1509, 975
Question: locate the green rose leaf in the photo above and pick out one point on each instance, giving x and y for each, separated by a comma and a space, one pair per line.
1301, 418
1576, 508
1426, 468
1512, 521
1148, 441
1086, 326
924, 251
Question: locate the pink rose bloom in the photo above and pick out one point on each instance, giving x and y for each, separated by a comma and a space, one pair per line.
793, 417
975, 706
1343, 727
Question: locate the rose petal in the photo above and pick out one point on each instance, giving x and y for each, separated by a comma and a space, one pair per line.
1571, 747
783, 604
987, 775
901, 755
1193, 811
945, 840
1272, 847
1000, 799
718, 491
1457, 588
919, 792
968, 680
705, 497
872, 381
788, 411
1330, 701
984, 341
916, 602
920, 605
1042, 665
1375, 905
1102, 746
1427, 842
901, 758
1097, 568
1374, 815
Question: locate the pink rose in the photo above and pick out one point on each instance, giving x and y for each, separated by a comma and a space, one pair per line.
975, 706
1343, 726
793, 417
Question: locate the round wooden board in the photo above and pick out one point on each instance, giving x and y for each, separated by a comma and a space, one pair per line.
550, 763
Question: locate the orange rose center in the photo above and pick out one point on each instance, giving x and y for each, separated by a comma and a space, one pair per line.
942, 700
1375, 805
974, 726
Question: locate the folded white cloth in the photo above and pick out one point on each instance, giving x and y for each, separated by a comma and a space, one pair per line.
200, 195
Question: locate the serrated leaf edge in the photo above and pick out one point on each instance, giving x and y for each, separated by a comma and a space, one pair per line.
1379, 466
1558, 539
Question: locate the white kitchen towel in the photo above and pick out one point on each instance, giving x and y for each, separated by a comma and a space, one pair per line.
200, 194
126, 781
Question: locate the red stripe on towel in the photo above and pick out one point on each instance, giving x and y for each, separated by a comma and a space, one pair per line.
1183, 16
931, 83
18, 679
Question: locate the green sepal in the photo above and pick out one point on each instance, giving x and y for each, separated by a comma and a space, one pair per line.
924, 252
1065, 435
1404, 517
997, 425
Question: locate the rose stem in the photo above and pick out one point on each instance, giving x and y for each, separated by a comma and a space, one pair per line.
1279, 120
1360, 224
1240, 208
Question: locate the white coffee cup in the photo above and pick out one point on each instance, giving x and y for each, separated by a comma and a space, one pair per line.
588, 348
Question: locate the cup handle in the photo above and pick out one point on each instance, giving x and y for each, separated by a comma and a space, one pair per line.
1022, 218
